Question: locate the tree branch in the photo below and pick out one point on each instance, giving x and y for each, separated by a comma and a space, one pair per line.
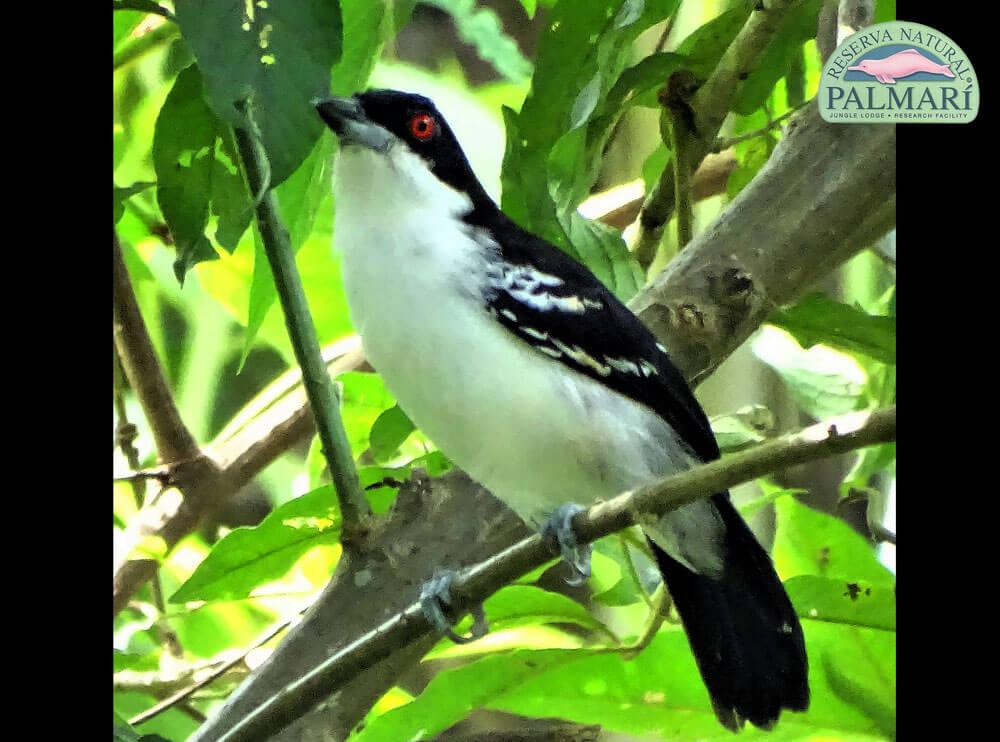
810, 208
319, 388
476, 584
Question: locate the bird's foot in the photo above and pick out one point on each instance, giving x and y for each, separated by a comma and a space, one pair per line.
435, 600
560, 538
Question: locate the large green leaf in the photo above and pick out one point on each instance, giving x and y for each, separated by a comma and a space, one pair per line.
196, 174
808, 542
249, 557
820, 319
704, 46
277, 55
451, 695
850, 602
659, 694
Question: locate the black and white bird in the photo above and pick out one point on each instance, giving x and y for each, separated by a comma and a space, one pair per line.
529, 374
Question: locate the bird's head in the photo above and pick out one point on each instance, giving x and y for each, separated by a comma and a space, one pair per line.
393, 125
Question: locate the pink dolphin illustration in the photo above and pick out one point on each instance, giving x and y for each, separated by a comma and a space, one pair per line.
899, 65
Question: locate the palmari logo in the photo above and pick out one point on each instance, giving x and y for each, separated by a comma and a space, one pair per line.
898, 72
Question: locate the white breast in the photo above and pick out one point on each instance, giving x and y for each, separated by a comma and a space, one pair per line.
533, 432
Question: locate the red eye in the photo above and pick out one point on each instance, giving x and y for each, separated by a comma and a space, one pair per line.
423, 126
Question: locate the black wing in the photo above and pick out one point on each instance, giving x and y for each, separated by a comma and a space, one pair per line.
560, 308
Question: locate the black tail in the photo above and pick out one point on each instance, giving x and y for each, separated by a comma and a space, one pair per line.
742, 629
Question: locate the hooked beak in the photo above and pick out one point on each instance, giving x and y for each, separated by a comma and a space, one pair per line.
348, 121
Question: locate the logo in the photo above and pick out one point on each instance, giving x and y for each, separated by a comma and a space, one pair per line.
898, 72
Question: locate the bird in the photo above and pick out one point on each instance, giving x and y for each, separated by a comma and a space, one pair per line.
527, 372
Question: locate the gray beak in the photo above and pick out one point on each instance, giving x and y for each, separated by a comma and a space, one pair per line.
348, 121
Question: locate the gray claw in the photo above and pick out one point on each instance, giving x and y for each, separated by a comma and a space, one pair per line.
435, 599
558, 533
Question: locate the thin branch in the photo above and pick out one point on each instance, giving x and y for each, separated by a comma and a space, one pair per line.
199, 675
657, 615
302, 332
726, 142
678, 119
477, 583
174, 441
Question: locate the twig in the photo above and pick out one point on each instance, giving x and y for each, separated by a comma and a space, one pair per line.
139, 478
174, 441
632, 571
657, 615
678, 118
477, 583
319, 388
211, 677
726, 142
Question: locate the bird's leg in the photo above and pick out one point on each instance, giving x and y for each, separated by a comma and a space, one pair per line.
435, 600
558, 534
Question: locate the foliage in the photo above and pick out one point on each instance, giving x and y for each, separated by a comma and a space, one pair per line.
182, 211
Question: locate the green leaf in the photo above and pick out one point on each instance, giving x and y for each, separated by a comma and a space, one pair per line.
704, 46
823, 381
660, 694
249, 557
123, 660
388, 432
638, 84
851, 602
482, 29
363, 400
808, 542
525, 605
124, 194
530, 7
797, 26
769, 493
820, 319
452, 694
278, 55
196, 174
123, 732
742, 428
